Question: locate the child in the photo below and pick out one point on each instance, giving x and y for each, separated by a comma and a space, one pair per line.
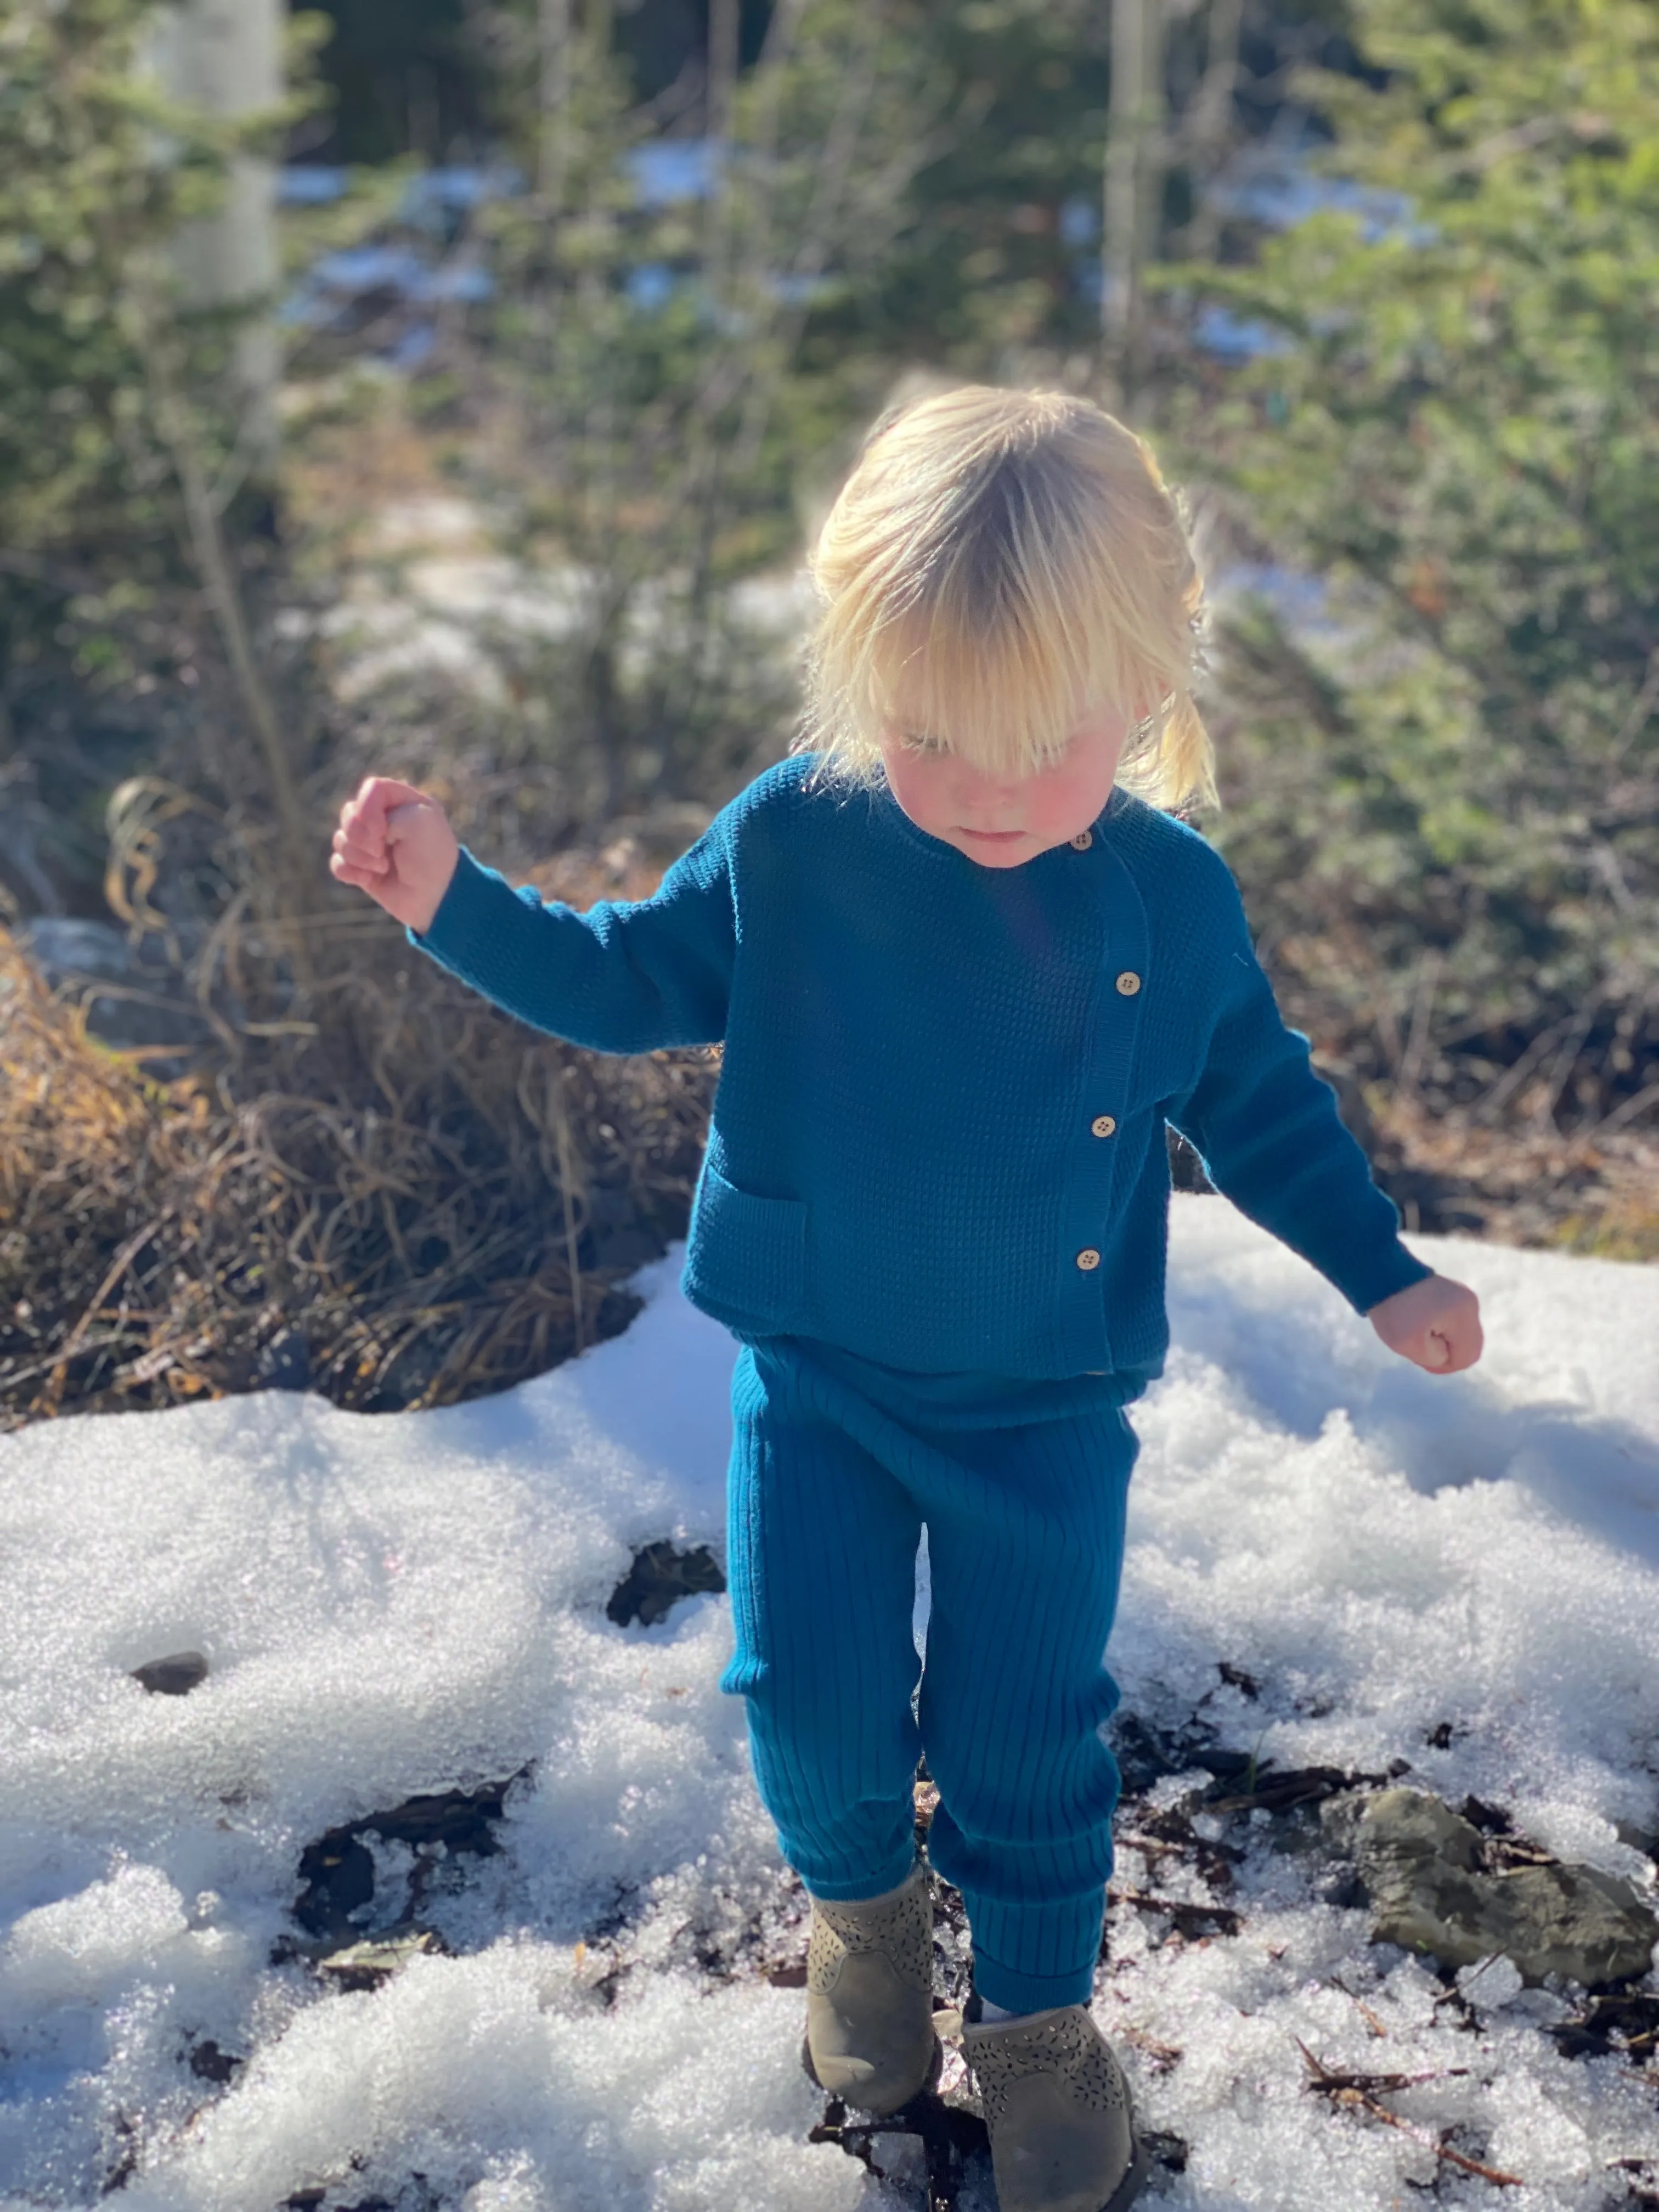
963, 977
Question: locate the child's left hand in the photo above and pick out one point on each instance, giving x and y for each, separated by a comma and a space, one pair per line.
1436, 1322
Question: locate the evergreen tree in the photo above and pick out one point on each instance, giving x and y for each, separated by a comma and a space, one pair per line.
1457, 432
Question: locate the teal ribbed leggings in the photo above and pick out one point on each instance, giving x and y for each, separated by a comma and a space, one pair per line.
828, 1497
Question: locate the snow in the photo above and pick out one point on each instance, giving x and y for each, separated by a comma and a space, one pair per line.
414, 1604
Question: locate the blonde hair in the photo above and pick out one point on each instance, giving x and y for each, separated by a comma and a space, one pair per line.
998, 564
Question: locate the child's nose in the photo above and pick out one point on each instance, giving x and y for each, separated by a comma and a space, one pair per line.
989, 789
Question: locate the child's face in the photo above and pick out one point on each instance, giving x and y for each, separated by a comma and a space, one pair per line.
1001, 821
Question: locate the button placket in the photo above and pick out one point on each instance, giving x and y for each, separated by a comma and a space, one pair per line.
1106, 1085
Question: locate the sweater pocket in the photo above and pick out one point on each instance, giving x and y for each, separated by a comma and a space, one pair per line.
746, 1262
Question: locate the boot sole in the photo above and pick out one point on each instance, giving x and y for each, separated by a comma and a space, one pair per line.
1133, 2182
936, 2067
1134, 2179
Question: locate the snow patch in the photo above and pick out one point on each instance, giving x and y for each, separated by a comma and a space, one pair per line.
1462, 1574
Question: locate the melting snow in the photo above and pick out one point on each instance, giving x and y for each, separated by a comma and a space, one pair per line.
1461, 1574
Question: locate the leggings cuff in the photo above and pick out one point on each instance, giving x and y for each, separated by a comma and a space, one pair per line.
843, 1888
1029, 1957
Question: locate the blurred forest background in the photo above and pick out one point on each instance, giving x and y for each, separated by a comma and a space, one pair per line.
450, 388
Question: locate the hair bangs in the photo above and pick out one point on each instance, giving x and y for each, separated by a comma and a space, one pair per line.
1004, 687
998, 565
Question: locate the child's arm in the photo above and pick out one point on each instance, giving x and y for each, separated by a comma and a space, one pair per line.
1270, 1137
623, 977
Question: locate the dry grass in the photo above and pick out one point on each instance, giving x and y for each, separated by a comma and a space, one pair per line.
410, 1200
372, 1182
376, 1185
404, 1198
1450, 1163
1590, 1194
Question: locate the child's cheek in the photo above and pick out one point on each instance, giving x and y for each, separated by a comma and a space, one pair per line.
924, 788
1075, 795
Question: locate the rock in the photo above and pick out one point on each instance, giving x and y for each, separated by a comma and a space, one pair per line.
209, 2063
1410, 1826
1424, 1870
661, 1576
1575, 1922
1145, 1753
174, 1676
145, 1006
336, 1872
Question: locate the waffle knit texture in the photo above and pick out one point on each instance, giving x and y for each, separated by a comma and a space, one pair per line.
827, 1498
934, 1207
937, 1142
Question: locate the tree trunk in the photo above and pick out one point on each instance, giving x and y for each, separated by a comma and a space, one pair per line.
555, 31
1210, 125
1133, 181
724, 28
225, 57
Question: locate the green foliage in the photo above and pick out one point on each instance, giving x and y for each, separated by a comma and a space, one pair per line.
1460, 437
650, 369
83, 190
1012, 132
101, 171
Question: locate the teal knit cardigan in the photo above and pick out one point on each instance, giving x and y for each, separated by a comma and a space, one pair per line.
937, 1141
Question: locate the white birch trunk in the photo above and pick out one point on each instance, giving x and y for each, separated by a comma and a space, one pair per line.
225, 57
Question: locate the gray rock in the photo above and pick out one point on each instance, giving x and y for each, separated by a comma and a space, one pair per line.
1423, 1869
144, 1005
175, 1676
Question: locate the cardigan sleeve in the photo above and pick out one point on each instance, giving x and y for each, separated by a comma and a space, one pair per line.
626, 976
1268, 1132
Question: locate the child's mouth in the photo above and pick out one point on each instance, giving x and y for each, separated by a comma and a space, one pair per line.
994, 836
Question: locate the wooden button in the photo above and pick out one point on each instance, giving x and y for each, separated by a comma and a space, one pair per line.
1088, 1258
1128, 982
1082, 840
1103, 1125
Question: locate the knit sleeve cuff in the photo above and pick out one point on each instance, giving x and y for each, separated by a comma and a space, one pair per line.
469, 917
1366, 1279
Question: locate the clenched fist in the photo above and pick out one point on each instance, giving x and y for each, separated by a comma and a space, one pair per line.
396, 844
1436, 1323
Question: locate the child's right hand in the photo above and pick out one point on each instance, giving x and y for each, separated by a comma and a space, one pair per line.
396, 844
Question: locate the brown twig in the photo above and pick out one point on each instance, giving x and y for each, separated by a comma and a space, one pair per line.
47, 1403
1370, 2018
1223, 1915
1357, 2093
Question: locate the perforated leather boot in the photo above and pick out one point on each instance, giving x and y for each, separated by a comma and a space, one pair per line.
1057, 2107
870, 2034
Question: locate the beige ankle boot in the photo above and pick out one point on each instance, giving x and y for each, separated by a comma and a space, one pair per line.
1057, 2107
870, 2034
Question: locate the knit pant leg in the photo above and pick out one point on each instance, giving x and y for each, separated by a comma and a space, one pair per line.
822, 1547
1024, 1586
